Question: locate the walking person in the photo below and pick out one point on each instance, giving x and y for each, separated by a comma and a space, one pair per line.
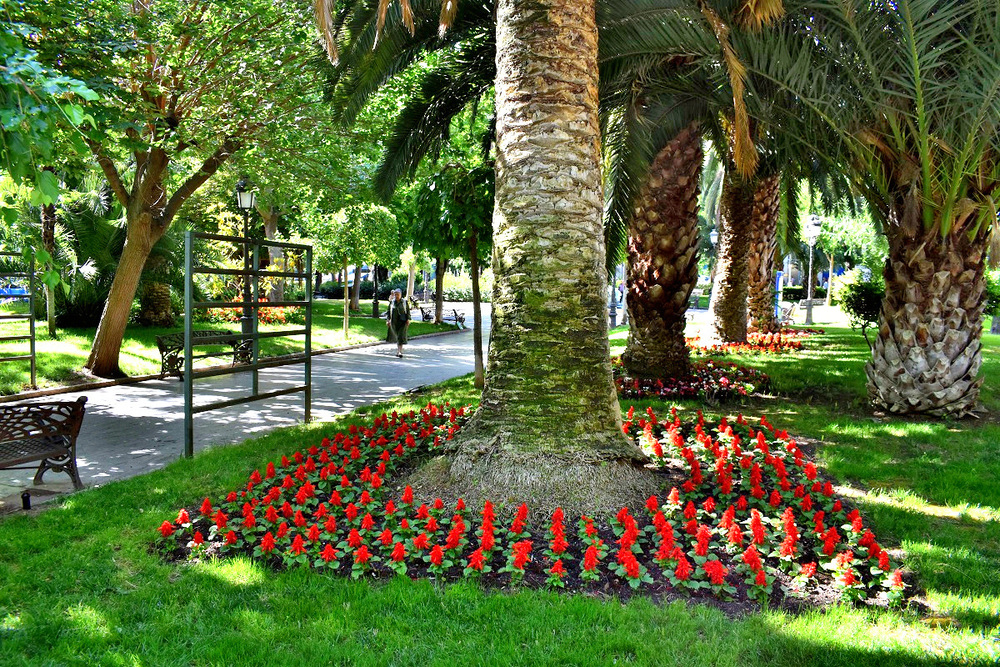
398, 320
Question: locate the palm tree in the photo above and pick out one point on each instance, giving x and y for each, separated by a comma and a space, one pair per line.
919, 138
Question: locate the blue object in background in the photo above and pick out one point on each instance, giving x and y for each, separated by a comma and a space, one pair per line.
777, 292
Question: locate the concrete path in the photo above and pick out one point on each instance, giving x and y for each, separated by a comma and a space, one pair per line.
132, 429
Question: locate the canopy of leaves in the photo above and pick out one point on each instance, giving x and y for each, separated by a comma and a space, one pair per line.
359, 233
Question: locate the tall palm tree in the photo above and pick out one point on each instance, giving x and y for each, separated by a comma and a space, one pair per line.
920, 140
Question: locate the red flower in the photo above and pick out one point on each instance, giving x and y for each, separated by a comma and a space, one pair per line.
709, 505
267, 544
249, 521
206, 507
329, 553
231, 498
386, 537
557, 569
282, 529
896, 579
752, 558
487, 542
298, 545
231, 537
522, 553
362, 555
220, 520
775, 499
690, 511
652, 504
398, 552
351, 511
760, 579
438, 504
300, 519
432, 525
182, 517
704, 536
407, 495
367, 522
715, 571
590, 559
313, 533
198, 538
488, 511
331, 524
809, 570
423, 511
883, 561
735, 535
421, 541
756, 527
437, 554
476, 560
683, 569
271, 514
166, 529
848, 578
674, 497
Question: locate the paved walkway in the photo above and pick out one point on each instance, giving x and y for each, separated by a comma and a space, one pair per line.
132, 429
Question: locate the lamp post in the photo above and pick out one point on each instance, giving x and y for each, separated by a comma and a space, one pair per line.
713, 236
245, 200
811, 231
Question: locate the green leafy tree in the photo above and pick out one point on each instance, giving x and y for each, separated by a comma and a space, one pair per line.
358, 233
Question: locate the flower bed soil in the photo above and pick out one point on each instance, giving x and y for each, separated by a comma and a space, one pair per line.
750, 522
710, 380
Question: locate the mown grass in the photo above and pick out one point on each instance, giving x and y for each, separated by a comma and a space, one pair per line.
60, 361
81, 585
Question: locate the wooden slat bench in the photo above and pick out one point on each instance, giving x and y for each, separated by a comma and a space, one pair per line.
171, 348
44, 432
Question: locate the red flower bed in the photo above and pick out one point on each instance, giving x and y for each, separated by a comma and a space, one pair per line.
751, 512
709, 379
786, 340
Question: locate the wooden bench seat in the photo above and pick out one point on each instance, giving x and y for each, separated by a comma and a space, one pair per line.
43, 432
171, 348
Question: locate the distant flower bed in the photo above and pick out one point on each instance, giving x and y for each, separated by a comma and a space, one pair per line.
265, 315
786, 340
751, 521
718, 380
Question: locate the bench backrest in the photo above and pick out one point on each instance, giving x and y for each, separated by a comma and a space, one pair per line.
40, 420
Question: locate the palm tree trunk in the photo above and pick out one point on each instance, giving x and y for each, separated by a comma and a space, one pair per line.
731, 287
663, 260
763, 246
927, 355
479, 380
548, 430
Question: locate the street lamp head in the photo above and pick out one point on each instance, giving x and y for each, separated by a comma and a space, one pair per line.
812, 229
713, 236
245, 198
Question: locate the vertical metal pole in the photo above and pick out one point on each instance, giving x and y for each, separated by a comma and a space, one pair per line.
188, 328
254, 314
31, 319
246, 326
308, 367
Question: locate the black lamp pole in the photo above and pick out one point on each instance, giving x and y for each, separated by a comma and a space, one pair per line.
245, 201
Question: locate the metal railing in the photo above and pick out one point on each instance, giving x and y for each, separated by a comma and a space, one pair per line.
251, 273
6, 277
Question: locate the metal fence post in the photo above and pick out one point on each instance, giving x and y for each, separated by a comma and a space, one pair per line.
188, 363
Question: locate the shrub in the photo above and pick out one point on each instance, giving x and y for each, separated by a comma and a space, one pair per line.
862, 301
798, 292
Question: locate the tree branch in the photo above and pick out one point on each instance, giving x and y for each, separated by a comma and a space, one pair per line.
195, 180
110, 172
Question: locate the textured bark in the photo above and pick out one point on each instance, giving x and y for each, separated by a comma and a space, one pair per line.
928, 352
356, 289
763, 247
48, 218
411, 279
731, 285
439, 268
548, 430
663, 260
139, 240
155, 305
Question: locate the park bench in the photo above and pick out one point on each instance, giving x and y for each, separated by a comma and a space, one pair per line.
43, 432
426, 313
787, 315
171, 348
457, 318
695, 300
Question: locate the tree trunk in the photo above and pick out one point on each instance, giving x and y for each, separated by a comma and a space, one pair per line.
356, 291
548, 430
995, 324
928, 352
729, 292
763, 246
48, 218
479, 380
411, 280
829, 284
103, 360
440, 267
347, 301
275, 255
663, 260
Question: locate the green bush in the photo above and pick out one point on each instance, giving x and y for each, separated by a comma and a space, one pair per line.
992, 294
798, 292
862, 301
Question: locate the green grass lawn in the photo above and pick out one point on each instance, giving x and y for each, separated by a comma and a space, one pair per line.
81, 586
60, 361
